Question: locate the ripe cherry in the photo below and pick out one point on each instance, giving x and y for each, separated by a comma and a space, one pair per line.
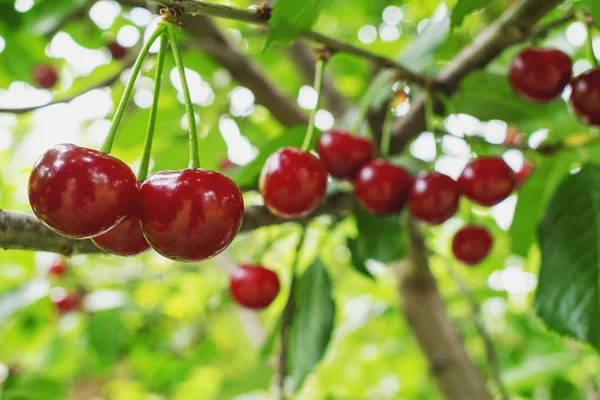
434, 198
190, 215
540, 75
292, 182
127, 238
66, 302
487, 181
45, 76
585, 97
524, 173
472, 244
58, 268
79, 192
344, 154
253, 286
382, 187
117, 51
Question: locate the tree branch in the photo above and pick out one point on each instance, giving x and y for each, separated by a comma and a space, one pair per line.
199, 7
23, 231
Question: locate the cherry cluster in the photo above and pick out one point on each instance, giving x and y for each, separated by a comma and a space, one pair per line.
188, 215
541, 75
45, 76
65, 301
293, 183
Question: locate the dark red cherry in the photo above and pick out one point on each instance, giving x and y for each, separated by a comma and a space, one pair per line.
540, 75
524, 173
79, 192
45, 76
292, 183
66, 302
382, 187
190, 215
127, 238
434, 198
344, 154
117, 51
253, 286
472, 244
585, 97
487, 181
58, 268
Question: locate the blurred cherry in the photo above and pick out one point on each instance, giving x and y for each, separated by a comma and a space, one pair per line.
45, 76
253, 286
382, 187
434, 198
472, 244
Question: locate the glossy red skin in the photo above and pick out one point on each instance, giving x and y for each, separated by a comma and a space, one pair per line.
253, 286
117, 51
382, 188
585, 97
487, 181
58, 268
434, 198
69, 302
344, 154
540, 75
45, 76
524, 173
190, 215
292, 183
79, 192
472, 244
127, 238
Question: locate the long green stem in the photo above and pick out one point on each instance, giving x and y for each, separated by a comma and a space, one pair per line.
386, 136
361, 114
145, 163
590, 43
112, 133
172, 31
319, 73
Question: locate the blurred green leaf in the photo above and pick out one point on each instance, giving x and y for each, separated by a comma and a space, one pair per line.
595, 10
106, 335
291, 17
567, 295
33, 388
564, 390
466, 7
312, 325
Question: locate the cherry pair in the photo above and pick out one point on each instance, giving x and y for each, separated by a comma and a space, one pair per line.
188, 215
541, 75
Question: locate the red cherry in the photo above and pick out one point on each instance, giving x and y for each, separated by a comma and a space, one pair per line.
434, 198
585, 97
487, 181
67, 302
190, 215
540, 75
344, 154
382, 187
127, 238
292, 183
45, 76
524, 173
79, 192
253, 286
472, 244
58, 268
117, 51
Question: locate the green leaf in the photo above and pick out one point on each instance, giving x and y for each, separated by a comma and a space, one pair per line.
292, 17
312, 325
249, 173
269, 345
533, 198
464, 8
595, 10
567, 295
379, 238
106, 335
488, 95
33, 388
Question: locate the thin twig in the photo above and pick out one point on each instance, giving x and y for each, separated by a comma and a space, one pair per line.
544, 30
490, 350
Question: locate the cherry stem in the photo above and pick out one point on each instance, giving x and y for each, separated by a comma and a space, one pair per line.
145, 163
172, 31
319, 74
112, 133
590, 43
361, 115
386, 135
